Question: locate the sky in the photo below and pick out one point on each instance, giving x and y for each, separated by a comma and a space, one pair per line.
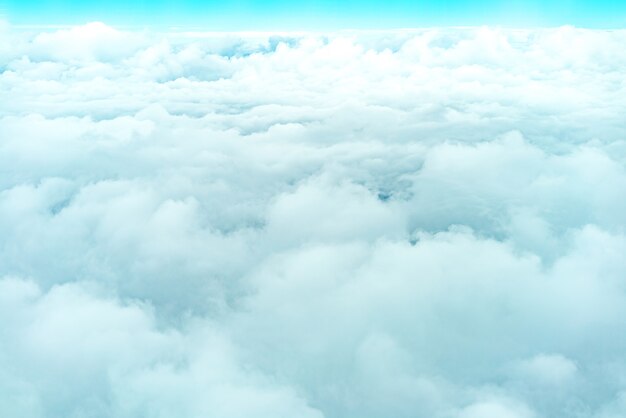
319, 14
237, 210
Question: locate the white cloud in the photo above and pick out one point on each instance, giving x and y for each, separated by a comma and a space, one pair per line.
495, 409
85, 354
424, 223
551, 369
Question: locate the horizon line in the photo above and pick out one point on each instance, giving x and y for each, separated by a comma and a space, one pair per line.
205, 29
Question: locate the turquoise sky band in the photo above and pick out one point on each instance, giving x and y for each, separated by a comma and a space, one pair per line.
319, 14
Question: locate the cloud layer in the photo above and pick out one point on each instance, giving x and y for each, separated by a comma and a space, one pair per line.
424, 223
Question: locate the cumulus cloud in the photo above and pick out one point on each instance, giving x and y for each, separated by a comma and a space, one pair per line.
418, 223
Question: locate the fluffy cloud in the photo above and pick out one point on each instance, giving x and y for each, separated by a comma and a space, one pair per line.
424, 223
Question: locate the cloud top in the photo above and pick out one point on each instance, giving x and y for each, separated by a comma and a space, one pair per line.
419, 223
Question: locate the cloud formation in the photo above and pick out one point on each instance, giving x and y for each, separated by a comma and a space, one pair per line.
424, 223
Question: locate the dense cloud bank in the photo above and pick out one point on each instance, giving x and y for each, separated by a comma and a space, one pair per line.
360, 224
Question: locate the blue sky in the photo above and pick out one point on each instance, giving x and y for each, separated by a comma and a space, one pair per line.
320, 14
